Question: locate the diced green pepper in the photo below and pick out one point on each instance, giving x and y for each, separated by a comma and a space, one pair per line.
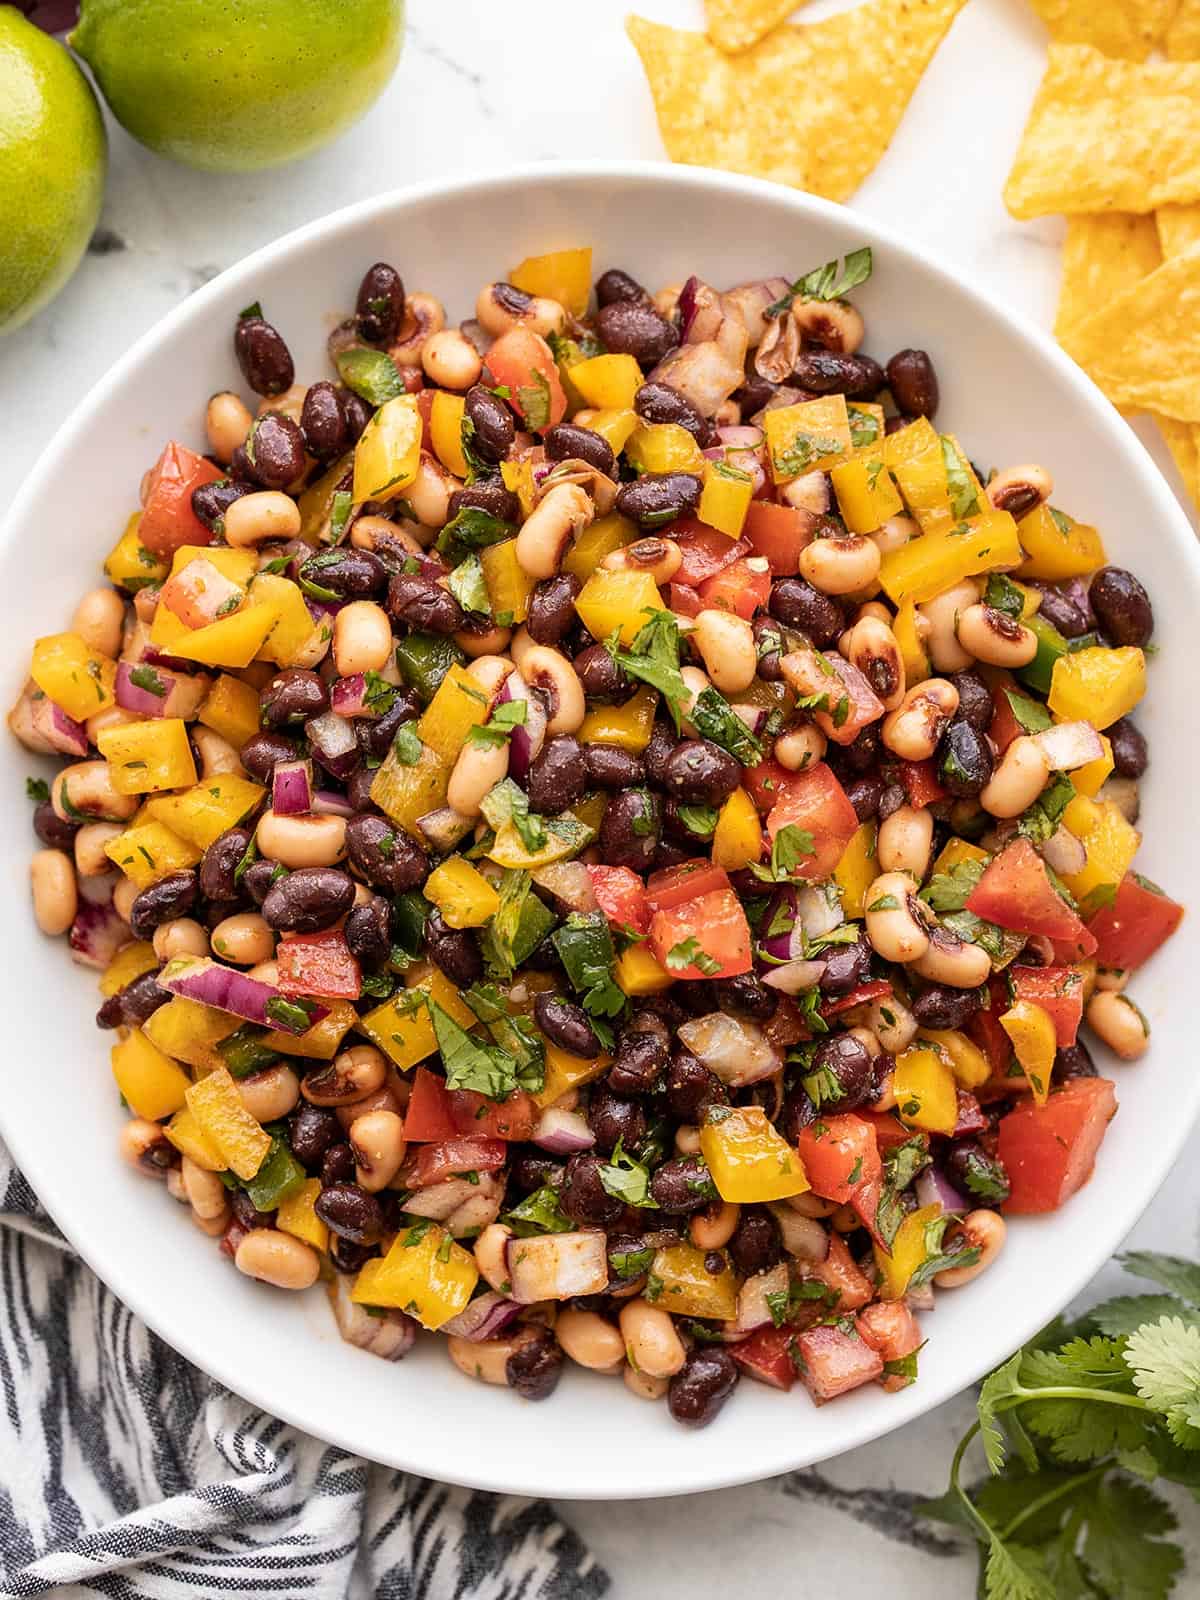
245, 1051
279, 1175
424, 659
1051, 645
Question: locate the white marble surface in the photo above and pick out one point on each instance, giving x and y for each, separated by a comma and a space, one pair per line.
482, 86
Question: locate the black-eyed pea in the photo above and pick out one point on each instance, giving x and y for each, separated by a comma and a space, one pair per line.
651, 1343
890, 1020
288, 404
885, 1098
913, 730
351, 1076
364, 531
490, 673
808, 492
182, 936
695, 682
55, 892
424, 315
872, 648
811, 1205
661, 558
979, 1230
501, 306
205, 1191
125, 893
317, 840
1020, 490
712, 1228
483, 644
1115, 1020
549, 671
227, 421
488, 1359
144, 1146
1110, 979
590, 1340
904, 841
255, 518
380, 1100
1016, 783
840, 565
996, 638
476, 772
800, 747
726, 645
894, 534
831, 324
270, 1094
952, 961
377, 1139
643, 1385
550, 527
112, 717
85, 790
895, 919
428, 495
362, 638
90, 859
491, 1256
520, 645
243, 939
450, 360
947, 651
687, 1139
214, 1226
175, 1186
216, 755
277, 1258
99, 620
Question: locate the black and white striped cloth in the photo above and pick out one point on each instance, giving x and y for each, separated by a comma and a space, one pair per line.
124, 1471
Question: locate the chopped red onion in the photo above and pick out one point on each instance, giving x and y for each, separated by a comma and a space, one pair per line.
331, 804
569, 882
562, 1132
445, 828
135, 698
97, 888
97, 934
387, 1334
806, 1238
62, 733
933, 1188
526, 740
745, 436
485, 1317
322, 610
755, 1296
687, 304
755, 717
439, 1200
738, 1052
795, 976
333, 742
291, 788
1069, 744
703, 373
1064, 853
348, 697
557, 1266
198, 978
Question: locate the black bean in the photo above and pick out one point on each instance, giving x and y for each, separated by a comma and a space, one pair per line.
379, 308
351, 1213
861, 756
890, 801
211, 501
308, 899
798, 1113
1122, 606
768, 642
52, 830
133, 1004
162, 901
569, 442
259, 878
691, 1088
979, 1176
454, 950
846, 966
264, 358
1130, 754
940, 1006
663, 740
964, 760
830, 372
612, 1117
375, 734
1061, 612
338, 1164
346, 1257
671, 853
601, 677
566, 1025
701, 773
422, 603
974, 700
611, 768
658, 402
322, 421
312, 1130
796, 604
558, 775
583, 1196
843, 1067
486, 494
1073, 1061
755, 1245
384, 856
864, 794
748, 994
262, 753
702, 1385
754, 395
274, 450
221, 861
492, 421
913, 383
682, 1186
532, 1171
348, 573
633, 328
293, 696
534, 1368
657, 498
640, 1059
630, 829
552, 608
356, 411
614, 286
367, 932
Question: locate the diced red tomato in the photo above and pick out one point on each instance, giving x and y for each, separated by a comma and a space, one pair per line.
780, 533
168, 520
840, 687
476, 1115
621, 895
1050, 1150
705, 551
1004, 727
320, 964
787, 1027
984, 1028
738, 588
890, 1327
685, 600
890, 1131
427, 1118
1015, 892
200, 594
833, 1361
524, 362
717, 923
673, 885
815, 802
839, 1155
971, 1119
425, 411
921, 782
767, 1356
859, 996
839, 1273
433, 1163
1059, 992
765, 783
1138, 922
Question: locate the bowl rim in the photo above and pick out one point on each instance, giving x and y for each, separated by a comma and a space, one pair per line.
699, 1470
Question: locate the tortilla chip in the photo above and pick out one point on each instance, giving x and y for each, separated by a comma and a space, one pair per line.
1143, 346
1178, 228
1103, 256
1108, 136
815, 107
1126, 28
735, 25
1182, 42
1181, 440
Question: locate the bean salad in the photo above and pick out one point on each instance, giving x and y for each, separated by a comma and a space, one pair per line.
599, 827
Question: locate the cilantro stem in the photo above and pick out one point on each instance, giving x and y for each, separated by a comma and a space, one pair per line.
1071, 1392
1051, 1495
986, 1530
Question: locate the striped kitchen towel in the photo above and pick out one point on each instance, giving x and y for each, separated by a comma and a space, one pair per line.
124, 1471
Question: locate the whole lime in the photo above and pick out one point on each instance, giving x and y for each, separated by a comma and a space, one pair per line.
53, 155
234, 85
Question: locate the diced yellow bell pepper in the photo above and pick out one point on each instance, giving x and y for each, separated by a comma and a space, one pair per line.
1058, 547
590, 810
424, 975
231, 708
1088, 972
188, 1031
130, 961
218, 1108
408, 792
518, 476
190, 1139
679, 1282
917, 459
867, 425
810, 437
925, 1090
600, 539
608, 382
509, 586
1110, 840
1098, 685
323, 1040
562, 275
291, 636
459, 705
628, 726
237, 565
663, 447
565, 1072
1031, 1030
926, 566
203, 813
638, 973
388, 453
912, 647
152, 1084
144, 757
866, 494
857, 869
750, 1160
461, 893
405, 1032
77, 678
129, 564
316, 502
1089, 780
617, 600
616, 426
445, 431
297, 1215
424, 1273
956, 851
150, 851
738, 837
508, 849
907, 1253
967, 1062
725, 497
232, 642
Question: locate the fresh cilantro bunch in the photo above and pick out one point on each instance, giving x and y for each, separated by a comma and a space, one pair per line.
1075, 1427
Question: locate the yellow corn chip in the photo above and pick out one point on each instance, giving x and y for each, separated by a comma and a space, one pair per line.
1181, 440
1126, 28
1143, 346
1183, 36
735, 25
1178, 228
814, 106
1108, 136
1102, 256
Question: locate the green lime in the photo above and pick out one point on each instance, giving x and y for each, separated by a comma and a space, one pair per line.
233, 85
53, 155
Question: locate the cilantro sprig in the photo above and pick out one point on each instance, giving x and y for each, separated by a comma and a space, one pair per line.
653, 658
833, 281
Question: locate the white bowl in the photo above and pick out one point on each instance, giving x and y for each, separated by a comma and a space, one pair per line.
1009, 395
